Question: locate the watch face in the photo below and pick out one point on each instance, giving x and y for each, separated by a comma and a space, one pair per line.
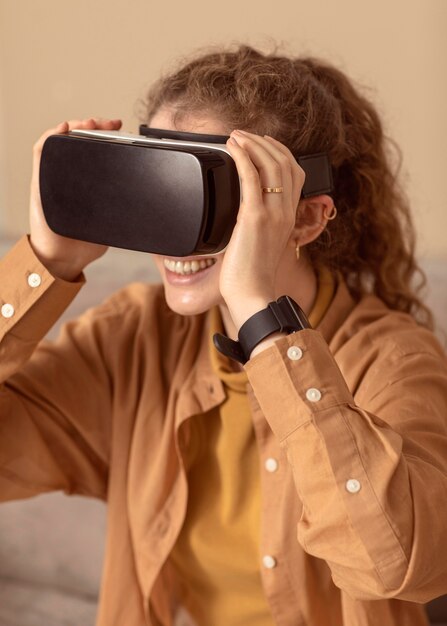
296, 319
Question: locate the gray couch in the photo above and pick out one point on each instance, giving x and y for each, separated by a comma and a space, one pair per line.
46, 580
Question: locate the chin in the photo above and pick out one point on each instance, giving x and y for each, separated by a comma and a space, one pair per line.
188, 305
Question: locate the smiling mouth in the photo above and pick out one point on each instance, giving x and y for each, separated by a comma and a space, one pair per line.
184, 268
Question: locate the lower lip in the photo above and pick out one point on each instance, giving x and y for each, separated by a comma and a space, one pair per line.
186, 279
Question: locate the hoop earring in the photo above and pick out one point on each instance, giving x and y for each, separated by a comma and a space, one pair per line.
332, 215
297, 252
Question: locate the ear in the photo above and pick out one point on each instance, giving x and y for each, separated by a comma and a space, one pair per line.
311, 218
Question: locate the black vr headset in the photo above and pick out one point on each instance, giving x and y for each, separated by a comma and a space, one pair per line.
165, 192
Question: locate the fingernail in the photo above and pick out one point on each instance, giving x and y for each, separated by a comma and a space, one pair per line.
232, 141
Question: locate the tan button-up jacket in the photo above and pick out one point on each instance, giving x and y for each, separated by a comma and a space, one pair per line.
354, 519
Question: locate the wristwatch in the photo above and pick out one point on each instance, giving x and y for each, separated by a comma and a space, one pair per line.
283, 315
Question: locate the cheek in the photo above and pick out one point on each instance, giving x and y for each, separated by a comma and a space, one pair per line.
158, 262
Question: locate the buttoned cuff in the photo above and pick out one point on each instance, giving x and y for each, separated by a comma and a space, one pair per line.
294, 379
28, 288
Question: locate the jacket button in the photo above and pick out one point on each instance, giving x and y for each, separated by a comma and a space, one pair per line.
7, 310
34, 280
353, 485
271, 465
313, 395
269, 562
294, 353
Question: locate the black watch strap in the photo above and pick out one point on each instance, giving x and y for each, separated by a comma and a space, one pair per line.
282, 315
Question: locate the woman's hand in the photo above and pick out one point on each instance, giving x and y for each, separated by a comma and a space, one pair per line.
62, 256
264, 225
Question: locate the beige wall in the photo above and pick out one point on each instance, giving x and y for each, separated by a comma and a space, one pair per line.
62, 59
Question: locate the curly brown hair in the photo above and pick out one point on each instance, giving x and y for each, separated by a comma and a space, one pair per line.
311, 106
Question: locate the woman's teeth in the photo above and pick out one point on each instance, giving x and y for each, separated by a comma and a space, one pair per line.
188, 267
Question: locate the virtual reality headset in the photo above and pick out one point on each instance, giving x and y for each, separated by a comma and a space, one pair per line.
165, 192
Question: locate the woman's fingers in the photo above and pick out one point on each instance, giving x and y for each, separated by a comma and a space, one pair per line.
284, 156
92, 123
261, 164
273, 166
248, 174
298, 174
280, 157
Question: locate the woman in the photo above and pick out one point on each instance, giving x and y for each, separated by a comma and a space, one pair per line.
295, 488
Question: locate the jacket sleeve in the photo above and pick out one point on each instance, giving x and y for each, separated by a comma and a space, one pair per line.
54, 397
371, 471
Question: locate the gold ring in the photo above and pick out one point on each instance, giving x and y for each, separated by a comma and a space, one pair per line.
272, 189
